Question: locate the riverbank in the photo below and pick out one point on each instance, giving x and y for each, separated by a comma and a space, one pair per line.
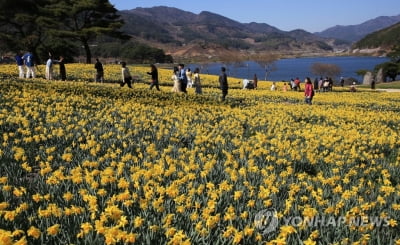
286, 69
385, 87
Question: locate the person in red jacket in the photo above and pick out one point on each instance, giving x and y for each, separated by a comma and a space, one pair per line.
297, 84
308, 91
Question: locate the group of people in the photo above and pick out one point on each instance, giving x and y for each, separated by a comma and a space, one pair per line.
294, 84
128, 79
320, 84
325, 84
28, 61
49, 68
184, 78
247, 84
309, 91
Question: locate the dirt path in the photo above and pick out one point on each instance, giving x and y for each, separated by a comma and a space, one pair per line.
388, 90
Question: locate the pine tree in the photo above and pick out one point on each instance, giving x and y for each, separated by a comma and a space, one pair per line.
22, 25
43, 26
84, 20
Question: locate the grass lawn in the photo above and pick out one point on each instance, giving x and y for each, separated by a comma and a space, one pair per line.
388, 85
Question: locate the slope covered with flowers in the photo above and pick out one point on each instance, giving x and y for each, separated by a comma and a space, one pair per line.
87, 163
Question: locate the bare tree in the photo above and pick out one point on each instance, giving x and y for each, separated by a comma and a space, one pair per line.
266, 60
325, 70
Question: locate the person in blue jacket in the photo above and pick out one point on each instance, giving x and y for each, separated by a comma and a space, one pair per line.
20, 64
30, 65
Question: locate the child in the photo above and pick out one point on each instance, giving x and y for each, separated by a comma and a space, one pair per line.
273, 86
284, 89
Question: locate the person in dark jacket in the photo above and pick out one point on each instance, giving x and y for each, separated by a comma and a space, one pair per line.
154, 77
255, 81
63, 72
182, 77
223, 82
316, 81
99, 71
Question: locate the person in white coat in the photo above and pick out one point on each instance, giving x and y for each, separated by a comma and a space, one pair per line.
175, 77
126, 75
49, 69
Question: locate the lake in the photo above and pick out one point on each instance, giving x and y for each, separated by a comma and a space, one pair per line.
285, 69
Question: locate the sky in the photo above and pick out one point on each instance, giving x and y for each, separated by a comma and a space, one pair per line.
286, 15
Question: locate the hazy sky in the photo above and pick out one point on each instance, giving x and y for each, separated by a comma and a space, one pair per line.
287, 15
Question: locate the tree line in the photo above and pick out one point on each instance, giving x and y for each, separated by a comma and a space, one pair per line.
69, 28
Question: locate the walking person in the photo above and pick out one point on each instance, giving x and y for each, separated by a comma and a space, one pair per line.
308, 91
99, 71
255, 81
29, 64
316, 81
297, 84
320, 83
325, 85
291, 84
20, 64
49, 68
182, 77
341, 81
197, 81
126, 75
223, 82
63, 71
189, 78
175, 77
154, 77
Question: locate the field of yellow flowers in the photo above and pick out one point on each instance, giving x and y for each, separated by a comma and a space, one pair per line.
91, 163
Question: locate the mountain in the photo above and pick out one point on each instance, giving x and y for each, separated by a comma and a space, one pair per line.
185, 34
354, 33
382, 40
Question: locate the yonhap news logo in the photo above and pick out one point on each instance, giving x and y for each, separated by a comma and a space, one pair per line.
267, 221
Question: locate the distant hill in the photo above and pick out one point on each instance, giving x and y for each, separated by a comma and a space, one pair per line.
384, 39
353, 33
182, 33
